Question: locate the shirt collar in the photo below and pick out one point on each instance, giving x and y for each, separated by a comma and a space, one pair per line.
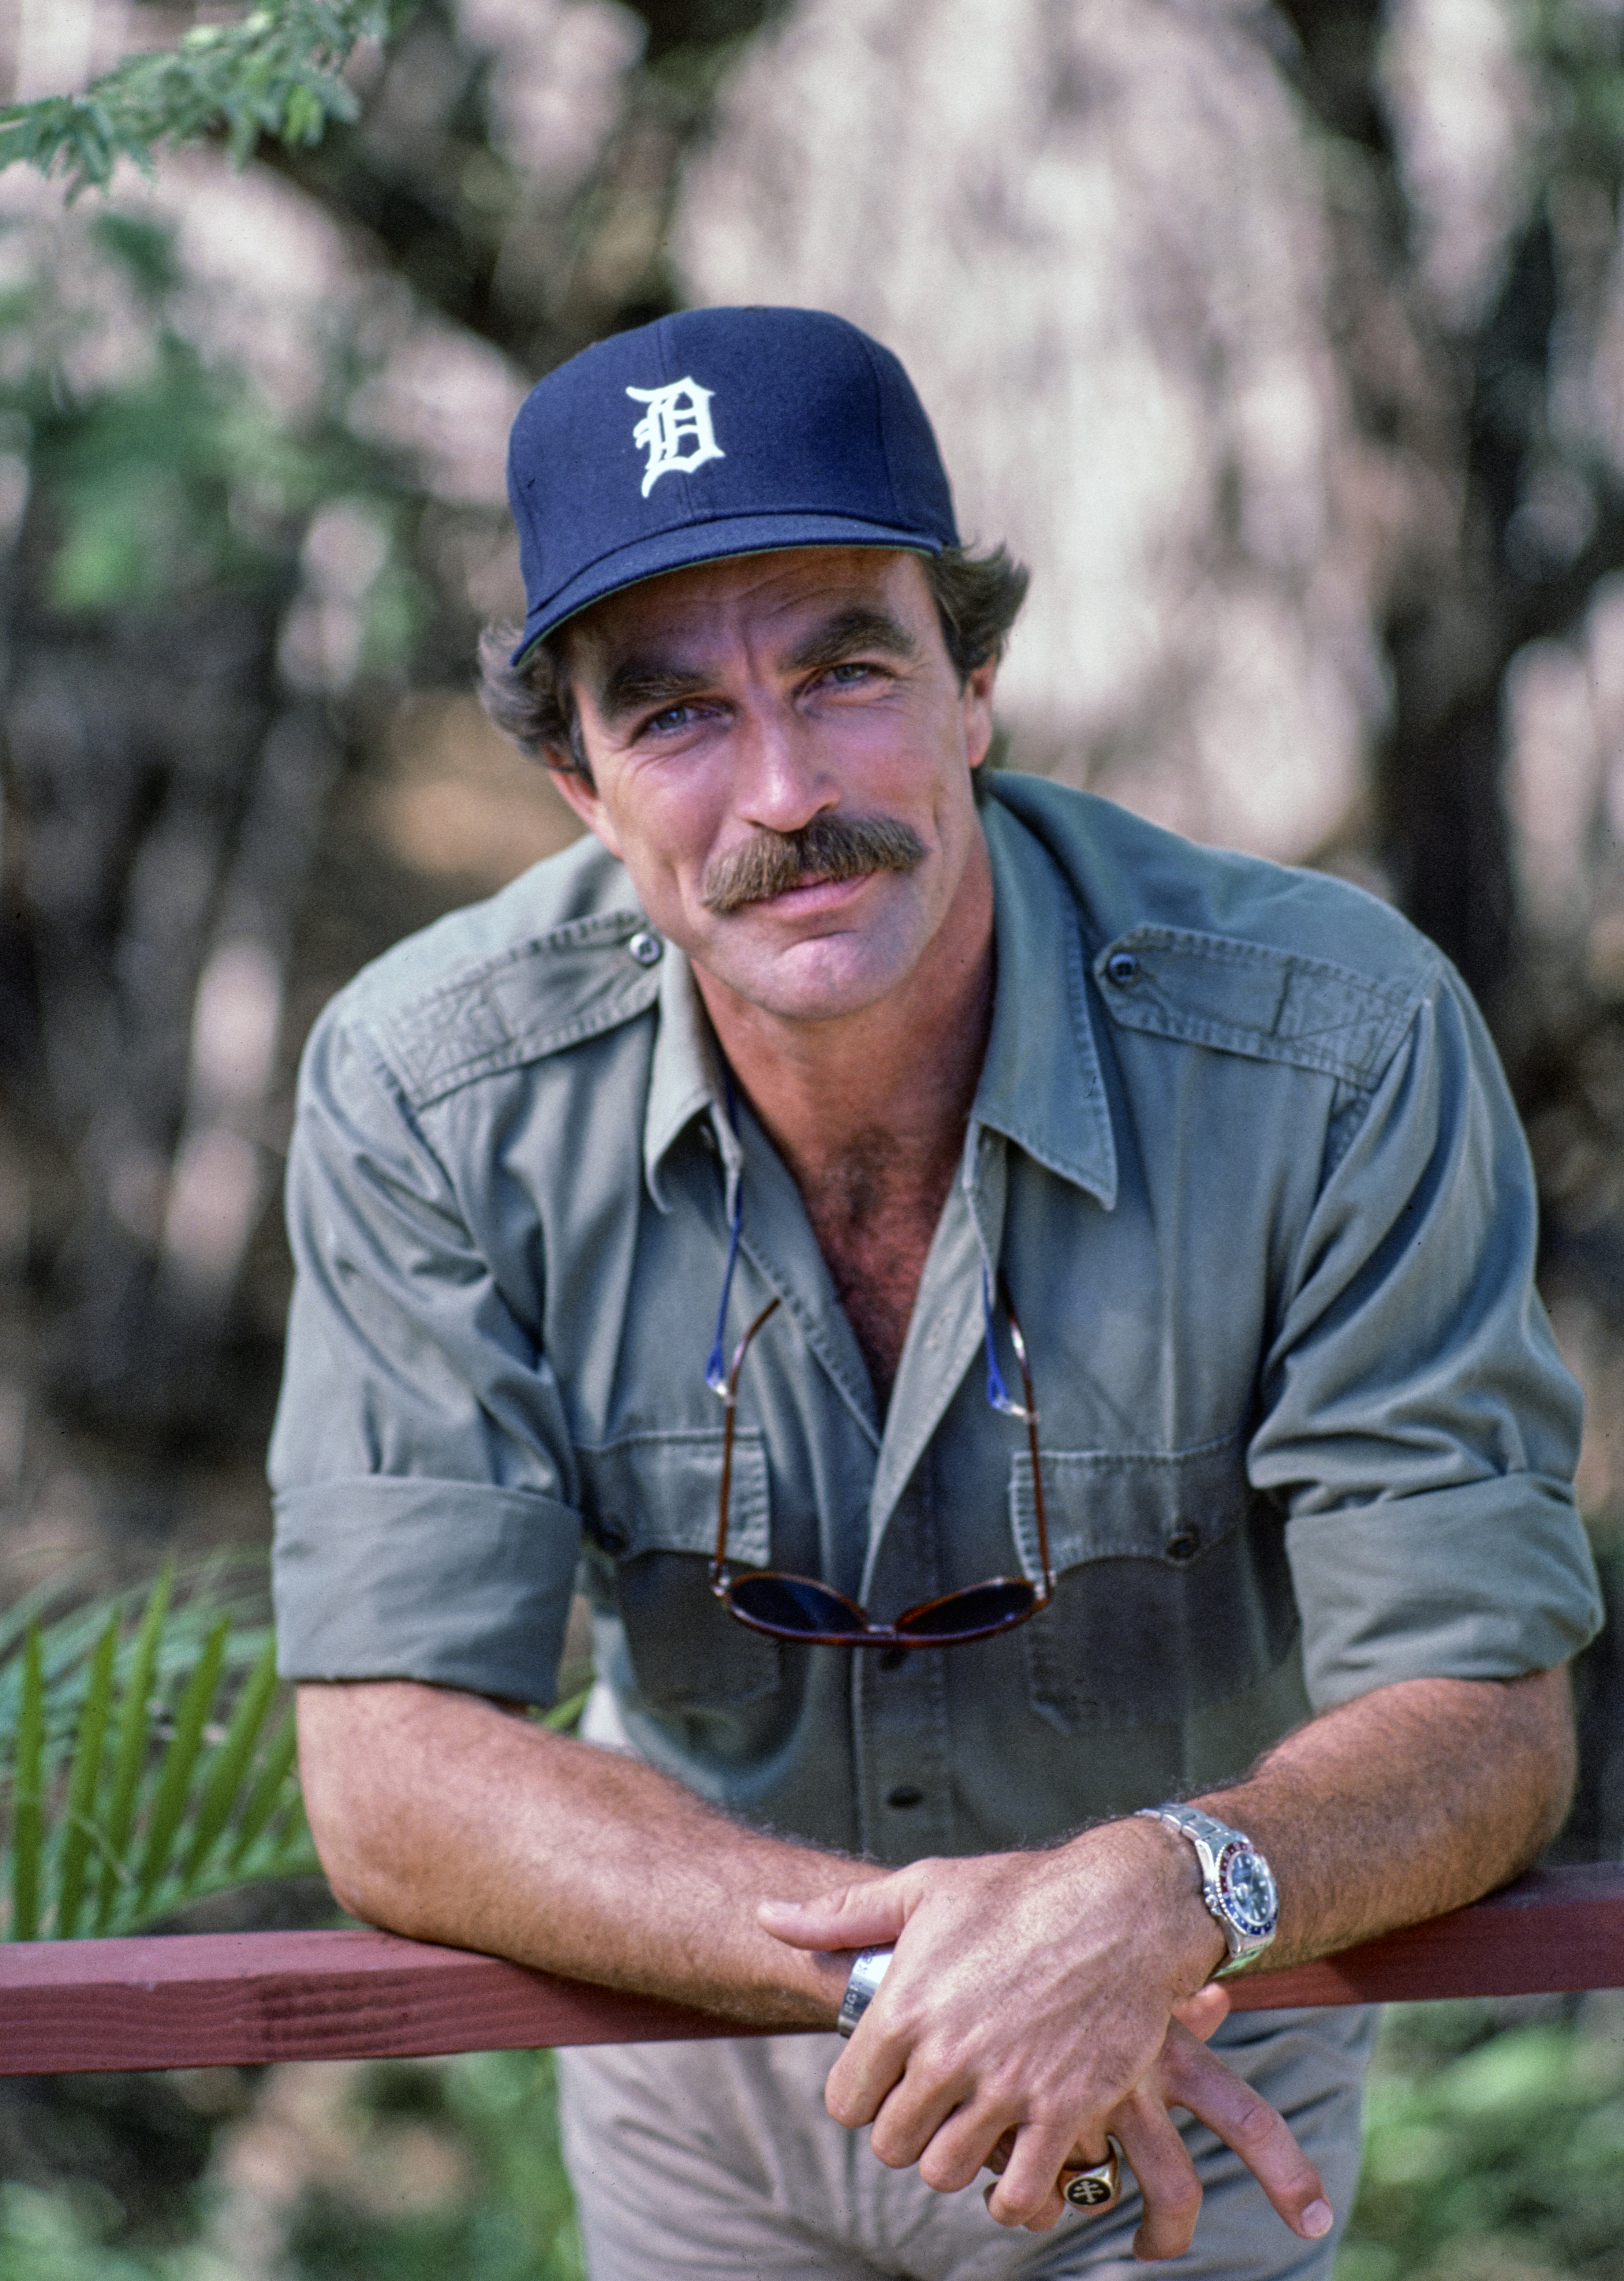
1040, 1086
685, 1078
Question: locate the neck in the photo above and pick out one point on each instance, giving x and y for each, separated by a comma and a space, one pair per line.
869, 1111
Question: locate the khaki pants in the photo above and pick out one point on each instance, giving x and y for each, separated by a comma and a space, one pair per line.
719, 2160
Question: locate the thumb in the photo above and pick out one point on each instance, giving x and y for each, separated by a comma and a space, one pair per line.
869, 1915
1204, 2012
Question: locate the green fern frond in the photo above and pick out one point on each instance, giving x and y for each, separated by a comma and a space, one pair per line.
27, 1818
141, 1766
82, 1833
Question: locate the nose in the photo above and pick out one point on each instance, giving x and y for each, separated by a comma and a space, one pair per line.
783, 778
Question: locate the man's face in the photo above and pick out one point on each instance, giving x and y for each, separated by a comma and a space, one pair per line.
726, 708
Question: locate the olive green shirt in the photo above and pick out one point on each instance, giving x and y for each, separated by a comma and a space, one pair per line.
1243, 1153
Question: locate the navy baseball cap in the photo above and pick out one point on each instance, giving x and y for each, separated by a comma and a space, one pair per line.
710, 433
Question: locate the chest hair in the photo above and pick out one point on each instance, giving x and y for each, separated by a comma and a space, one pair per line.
874, 1215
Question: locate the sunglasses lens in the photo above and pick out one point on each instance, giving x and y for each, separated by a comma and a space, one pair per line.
794, 1603
983, 1607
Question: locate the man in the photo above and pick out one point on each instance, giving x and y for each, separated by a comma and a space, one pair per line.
917, 1093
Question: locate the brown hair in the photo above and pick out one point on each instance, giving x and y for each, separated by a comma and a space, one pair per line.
977, 598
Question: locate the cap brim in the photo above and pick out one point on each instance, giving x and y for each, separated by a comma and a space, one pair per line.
714, 541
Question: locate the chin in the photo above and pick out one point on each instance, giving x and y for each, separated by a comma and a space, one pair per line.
818, 981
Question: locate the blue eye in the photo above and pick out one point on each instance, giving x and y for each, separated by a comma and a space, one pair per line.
670, 721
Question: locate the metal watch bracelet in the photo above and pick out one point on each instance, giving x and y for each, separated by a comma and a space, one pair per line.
1237, 1885
862, 1988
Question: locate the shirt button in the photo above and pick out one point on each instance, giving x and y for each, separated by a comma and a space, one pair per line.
646, 947
1122, 967
1182, 1547
904, 1794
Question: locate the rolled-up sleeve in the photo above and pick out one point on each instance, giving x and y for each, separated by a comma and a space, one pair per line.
1418, 1422
425, 1524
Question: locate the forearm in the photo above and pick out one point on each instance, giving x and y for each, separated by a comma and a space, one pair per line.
439, 1815
1410, 1800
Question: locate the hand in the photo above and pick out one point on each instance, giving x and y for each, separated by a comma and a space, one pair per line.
1030, 2002
1202, 2014
1185, 2076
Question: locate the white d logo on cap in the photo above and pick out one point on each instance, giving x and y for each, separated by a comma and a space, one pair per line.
676, 415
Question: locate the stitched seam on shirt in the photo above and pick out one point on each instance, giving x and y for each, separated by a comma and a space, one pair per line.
1390, 1007
635, 1000
1239, 950
1101, 1460
859, 1399
1191, 1030
673, 1436
431, 1062
341, 1485
1380, 1029
1344, 1125
612, 926
369, 1052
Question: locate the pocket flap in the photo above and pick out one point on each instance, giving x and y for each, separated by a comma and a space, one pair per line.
659, 1492
1138, 1505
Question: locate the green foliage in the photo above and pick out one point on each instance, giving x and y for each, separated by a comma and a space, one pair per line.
275, 73
424, 2169
1493, 2151
148, 1763
50, 2238
144, 482
513, 2220
173, 480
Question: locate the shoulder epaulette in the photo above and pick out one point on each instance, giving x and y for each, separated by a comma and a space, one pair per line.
531, 1000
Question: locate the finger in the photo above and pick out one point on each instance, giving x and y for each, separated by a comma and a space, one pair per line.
1204, 2012
998, 2158
1026, 2194
1188, 2074
1050, 2215
867, 1916
871, 2068
909, 2124
998, 2161
1168, 2185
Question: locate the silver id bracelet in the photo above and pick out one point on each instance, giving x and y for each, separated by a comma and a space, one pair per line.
870, 1969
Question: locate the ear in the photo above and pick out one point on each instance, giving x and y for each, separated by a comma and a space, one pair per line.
583, 797
977, 700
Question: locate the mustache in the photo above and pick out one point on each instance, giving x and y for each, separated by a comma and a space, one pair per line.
829, 847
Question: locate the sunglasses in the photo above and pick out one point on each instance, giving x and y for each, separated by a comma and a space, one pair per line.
799, 1608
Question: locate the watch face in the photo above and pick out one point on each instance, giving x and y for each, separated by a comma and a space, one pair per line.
1248, 1886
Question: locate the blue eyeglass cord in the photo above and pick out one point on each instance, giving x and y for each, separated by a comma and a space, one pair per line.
715, 1366
715, 1363
997, 1392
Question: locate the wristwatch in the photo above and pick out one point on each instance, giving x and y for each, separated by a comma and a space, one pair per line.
1237, 1884
861, 1990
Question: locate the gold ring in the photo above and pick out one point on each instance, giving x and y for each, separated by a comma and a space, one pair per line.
1095, 2188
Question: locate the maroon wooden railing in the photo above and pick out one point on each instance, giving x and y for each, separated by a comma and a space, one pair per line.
81, 2007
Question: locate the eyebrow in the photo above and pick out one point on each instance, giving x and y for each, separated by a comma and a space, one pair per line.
860, 626
635, 682
638, 682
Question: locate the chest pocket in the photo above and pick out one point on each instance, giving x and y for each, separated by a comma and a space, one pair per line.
1171, 1590
649, 1502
